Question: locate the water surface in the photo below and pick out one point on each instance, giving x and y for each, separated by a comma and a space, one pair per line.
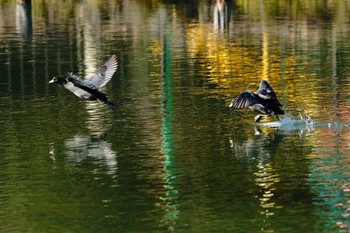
173, 156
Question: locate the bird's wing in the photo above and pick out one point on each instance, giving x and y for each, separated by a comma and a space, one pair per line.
244, 100
76, 80
266, 95
265, 91
102, 76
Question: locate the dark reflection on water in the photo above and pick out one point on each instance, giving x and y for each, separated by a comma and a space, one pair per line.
173, 157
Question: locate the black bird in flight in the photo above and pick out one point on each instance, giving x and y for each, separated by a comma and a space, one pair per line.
263, 101
87, 89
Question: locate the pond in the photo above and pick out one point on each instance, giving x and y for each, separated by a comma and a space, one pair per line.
173, 157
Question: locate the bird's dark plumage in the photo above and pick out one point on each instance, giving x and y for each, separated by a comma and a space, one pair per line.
264, 101
87, 88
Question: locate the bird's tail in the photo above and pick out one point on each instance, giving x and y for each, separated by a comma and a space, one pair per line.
102, 98
107, 103
110, 105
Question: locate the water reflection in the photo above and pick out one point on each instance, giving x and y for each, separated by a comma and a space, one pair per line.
24, 17
169, 200
89, 21
272, 174
267, 179
221, 17
272, 153
261, 148
80, 147
94, 145
97, 118
330, 170
260, 144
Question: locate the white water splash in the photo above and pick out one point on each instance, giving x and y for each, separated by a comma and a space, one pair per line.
301, 121
289, 122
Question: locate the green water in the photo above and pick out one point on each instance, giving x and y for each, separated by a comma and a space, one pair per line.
173, 157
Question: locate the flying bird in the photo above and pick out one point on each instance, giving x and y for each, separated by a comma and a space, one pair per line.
87, 89
263, 101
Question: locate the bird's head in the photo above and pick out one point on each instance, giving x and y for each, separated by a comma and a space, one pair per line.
58, 80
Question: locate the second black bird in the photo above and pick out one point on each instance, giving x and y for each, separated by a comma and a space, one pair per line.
263, 101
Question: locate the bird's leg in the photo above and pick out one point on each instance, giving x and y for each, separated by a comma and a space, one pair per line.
258, 118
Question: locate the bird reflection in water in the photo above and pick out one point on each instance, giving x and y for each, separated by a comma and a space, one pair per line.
262, 144
264, 149
94, 145
260, 147
81, 147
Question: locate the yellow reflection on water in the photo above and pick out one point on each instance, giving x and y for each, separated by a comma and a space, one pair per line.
287, 54
266, 178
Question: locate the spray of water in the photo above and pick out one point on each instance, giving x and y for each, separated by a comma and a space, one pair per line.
292, 120
298, 120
